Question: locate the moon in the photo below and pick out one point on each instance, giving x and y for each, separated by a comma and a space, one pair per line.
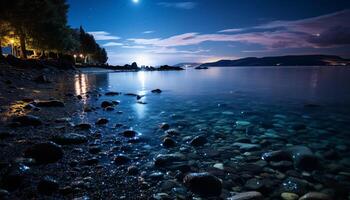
135, 1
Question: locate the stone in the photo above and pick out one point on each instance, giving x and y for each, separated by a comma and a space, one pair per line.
164, 126
112, 93
102, 121
50, 103
303, 158
43, 153
199, 140
246, 146
106, 104
133, 170
165, 160
203, 184
121, 159
168, 142
69, 139
47, 186
295, 185
172, 132
315, 196
129, 133
289, 196
243, 123
276, 156
252, 195
158, 91
41, 79
219, 166
254, 184
281, 165
28, 120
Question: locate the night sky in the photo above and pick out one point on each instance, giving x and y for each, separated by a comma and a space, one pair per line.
155, 32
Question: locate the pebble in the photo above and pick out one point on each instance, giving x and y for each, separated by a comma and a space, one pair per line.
106, 104
199, 140
315, 196
129, 133
102, 121
168, 142
203, 184
289, 196
121, 159
47, 185
219, 166
252, 195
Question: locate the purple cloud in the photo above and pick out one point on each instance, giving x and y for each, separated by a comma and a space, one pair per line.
324, 31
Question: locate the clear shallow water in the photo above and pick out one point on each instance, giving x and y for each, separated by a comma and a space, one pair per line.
212, 100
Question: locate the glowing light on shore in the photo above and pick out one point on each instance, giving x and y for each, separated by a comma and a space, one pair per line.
143, 60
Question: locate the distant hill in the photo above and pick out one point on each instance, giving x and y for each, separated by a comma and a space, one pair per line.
295, 60
187, 65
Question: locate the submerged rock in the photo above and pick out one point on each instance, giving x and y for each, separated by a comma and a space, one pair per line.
102, 121
47, 185
172, 132
70, 138
41, 79
315, 196
303, 158
43, 153
129, 133
203, 184
276, 156
50, 103
106, 104
289, 196
166, 160
121, 159
27, 120
112, 93
168, 142
295, 185
199, 140
246, 146
253, 195
83, 126
164, 126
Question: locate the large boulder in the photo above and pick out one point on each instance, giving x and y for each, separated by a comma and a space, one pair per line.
303, 158
203, 184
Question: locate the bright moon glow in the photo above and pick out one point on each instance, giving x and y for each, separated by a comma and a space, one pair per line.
135, 1
143, 60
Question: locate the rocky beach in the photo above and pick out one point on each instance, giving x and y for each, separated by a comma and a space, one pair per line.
60, 144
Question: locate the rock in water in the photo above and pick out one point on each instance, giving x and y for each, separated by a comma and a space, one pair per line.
168, 142
166, 160
315, 196
157, 91
289, 196
41, 79
121, 159
253, 195
295, 185
303, 158
43, 153
102, 121
47, 186
112, 93
51, 103
106, 104
70, 138
203, 184
199, 140
129, 133
28, 120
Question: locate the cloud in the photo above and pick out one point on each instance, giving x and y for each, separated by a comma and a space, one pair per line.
103, 35
111, 44
324, 31
134, 47
185, 5
148, 32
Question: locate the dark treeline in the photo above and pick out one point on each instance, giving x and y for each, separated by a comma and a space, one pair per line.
41, 27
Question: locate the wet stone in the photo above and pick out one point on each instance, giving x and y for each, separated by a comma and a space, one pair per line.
164, 126
276, 156
106, 104
289, 196
166, 160
112, 93
121, 159
47, 152
28, 120
70, 139
315, 196
254, 184
168, 142
203, 184
295, 185
253, 195
172, 132
199, 140
83, 126
133, 170
129, 133
246, 146
94, 149
47, 186
303, 158
102, 121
